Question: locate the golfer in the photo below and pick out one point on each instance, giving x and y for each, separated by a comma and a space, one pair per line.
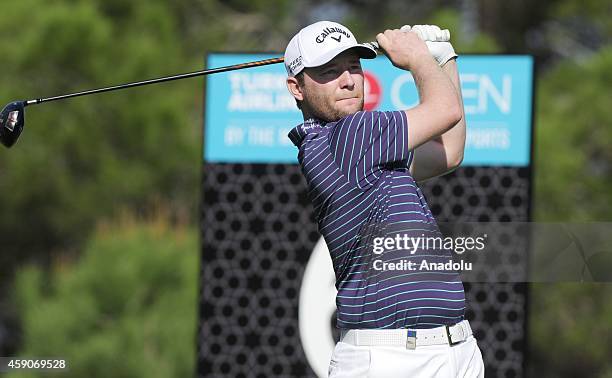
397, 319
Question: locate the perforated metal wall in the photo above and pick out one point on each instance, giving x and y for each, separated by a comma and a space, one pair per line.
258, 232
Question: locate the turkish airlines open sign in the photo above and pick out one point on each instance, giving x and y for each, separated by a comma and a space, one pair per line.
252, 111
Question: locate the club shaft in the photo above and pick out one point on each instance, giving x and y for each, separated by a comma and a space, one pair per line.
264, 62
158, 80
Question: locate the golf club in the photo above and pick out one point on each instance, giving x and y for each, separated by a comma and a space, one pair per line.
12, 117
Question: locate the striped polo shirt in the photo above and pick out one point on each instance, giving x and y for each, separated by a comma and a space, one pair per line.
357, 171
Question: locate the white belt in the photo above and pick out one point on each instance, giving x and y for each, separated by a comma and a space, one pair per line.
408, 338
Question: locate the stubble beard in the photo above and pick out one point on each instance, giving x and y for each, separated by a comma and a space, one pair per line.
317, 106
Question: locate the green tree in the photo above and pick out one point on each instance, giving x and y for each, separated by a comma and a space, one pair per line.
573, 181
595, 12
573, 157
127, 308
83, 159
571, 320
480, 43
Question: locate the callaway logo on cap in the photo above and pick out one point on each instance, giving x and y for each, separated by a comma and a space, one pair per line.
319, 43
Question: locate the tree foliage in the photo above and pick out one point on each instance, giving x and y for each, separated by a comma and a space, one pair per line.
127, 308
82, 159
573, 182
572, 320
573, 157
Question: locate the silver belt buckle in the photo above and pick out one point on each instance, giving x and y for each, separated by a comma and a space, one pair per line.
448, 335
411, 339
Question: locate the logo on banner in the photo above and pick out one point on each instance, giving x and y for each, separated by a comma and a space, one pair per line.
372, 91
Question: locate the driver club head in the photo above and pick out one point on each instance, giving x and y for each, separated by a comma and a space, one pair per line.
12, 119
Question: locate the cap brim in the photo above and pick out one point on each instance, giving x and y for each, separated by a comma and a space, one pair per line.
364, 52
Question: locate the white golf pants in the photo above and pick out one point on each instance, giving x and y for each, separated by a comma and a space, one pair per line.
440, 361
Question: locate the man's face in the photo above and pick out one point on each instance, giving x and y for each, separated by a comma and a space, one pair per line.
335, 89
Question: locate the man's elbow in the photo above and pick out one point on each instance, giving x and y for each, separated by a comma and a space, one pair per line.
455, 161
452, 114
455, 114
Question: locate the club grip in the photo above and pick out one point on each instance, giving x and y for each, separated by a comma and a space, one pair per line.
441, 36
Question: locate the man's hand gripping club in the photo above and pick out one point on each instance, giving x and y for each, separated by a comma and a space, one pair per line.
437, 41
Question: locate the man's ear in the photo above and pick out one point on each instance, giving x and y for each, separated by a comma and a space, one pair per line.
294, 88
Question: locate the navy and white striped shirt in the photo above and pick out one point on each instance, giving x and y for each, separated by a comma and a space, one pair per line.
357, 170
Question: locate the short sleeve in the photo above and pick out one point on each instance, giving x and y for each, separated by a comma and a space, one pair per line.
365, 143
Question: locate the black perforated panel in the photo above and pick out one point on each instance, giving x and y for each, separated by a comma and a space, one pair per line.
258, 232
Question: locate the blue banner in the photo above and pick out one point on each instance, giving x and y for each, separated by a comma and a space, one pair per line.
248, 113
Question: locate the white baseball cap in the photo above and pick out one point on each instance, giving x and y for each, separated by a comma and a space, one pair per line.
319, 43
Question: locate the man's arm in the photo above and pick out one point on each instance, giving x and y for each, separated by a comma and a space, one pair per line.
444, 153
439, 108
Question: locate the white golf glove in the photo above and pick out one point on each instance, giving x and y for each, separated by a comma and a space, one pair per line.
437, 41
